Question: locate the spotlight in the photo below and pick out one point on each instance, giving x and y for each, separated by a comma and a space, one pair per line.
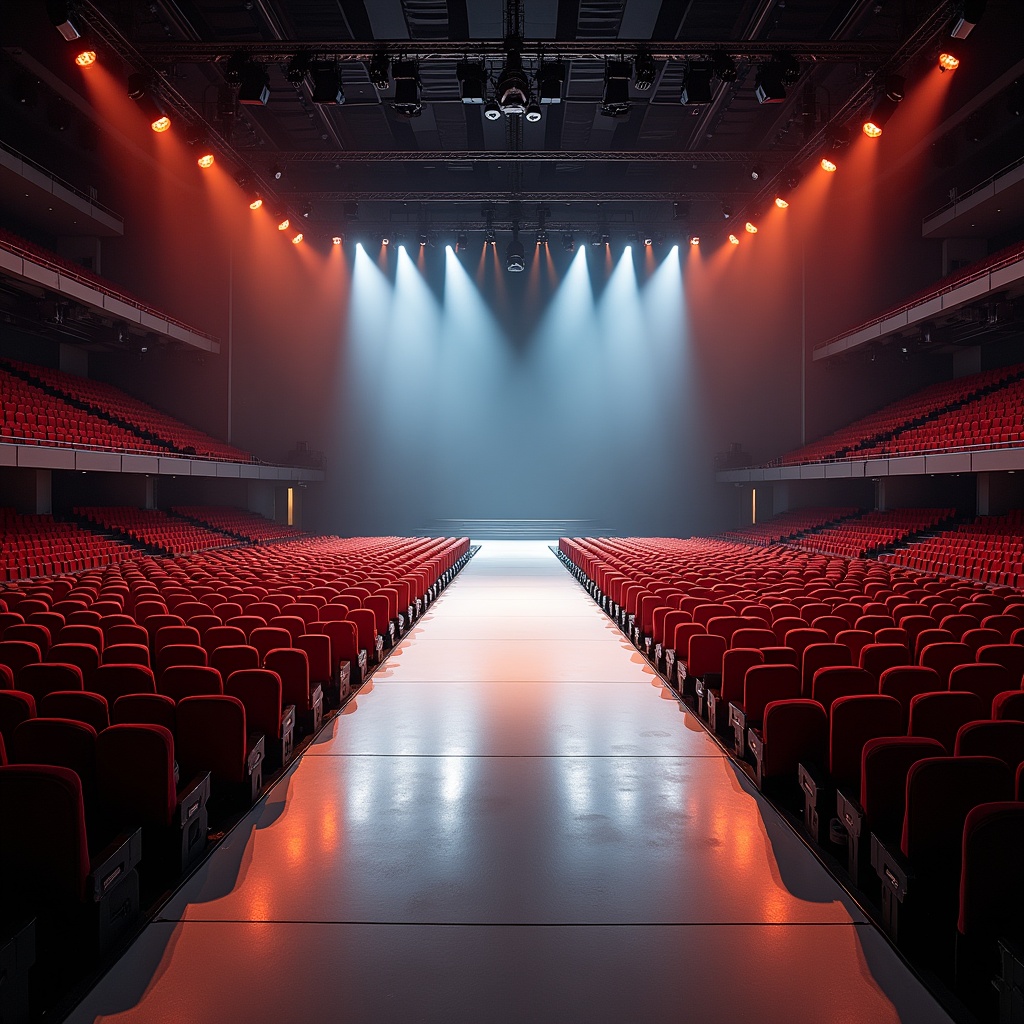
337, 239
615, 101
694, 239
139, 90
307, 211
828, 165
948, 61
696, 88
781, 203
423, 239
515, 257
297, 238
254, 88
277, 172
644, 71
298, 68
206, 160
256, 202
734, 240
491, 110
408, 91
726, 211
533, 114
883, 109
568, 243
378, 71
513, 88
472, 76
769, 87
86, 58
648, 240
723, 67
750, 227
550, 79
968, 18
60, 15
385, 241
756, 171
281, 216
461, 241
327, 90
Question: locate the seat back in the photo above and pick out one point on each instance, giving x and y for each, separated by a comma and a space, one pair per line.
735, 663
344, 638
958, 624
259, 689
15, 654
167, 636
1010, 656
79, 633
62, 742
135, 775
856, 640
885, 764
678, 638
292, 665
852, 722
752, 638
835, 681
125, 654
987, 681
904, 682
704, 654
876, 658
144, 709
1009, 706
1001, 739
16, 706
944, 657
234, 658
124, 633
44, 677
269, 638
49, 852
292, 623
821, 655
77, 705
211, 737
32, 632
763, 684
180, 681
991, 882
794, 731
85, 656
318, 652
940, 715
113, 681
366, 625
931, 636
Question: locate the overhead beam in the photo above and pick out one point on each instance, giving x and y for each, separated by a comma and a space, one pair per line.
831, 50
505, 195
331, 156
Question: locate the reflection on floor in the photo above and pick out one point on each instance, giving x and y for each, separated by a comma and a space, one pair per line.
513, 824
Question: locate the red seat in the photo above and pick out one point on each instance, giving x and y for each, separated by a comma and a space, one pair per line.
855, 720
127, 634
940, 715
259, 689
61, 742
978, 638
904, 682
113, 681
268, 638
876, 658
1010, 656
46, 677
167, 636
821, 655
1009, 706
752, 638
931, 636
235, 657
224, 636
945, 657
318, 650
85, 656
175, 655
15, 654
292, 623
181, 681
80, 633
145, 709
77, 705
16, 706
212, 736
987, 681
246, 623
856, 640
126, 654
835, 681
1001, 739
762, 684
292, 665
793, 731
32, 632
365, 620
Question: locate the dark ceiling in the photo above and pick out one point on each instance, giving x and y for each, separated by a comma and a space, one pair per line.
660, 160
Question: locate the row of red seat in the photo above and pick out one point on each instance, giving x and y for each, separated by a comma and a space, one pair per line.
854, 538
158, 530
991, 550
239, 523
788, 525
830, 668
114, 404
855, 439
37, 545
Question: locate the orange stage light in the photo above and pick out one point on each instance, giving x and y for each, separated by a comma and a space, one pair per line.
161, 124
734, 240
872, 130
206, 161
86, 59
256, 203
752, 228
694, 239
781, 203
297, 239
828, 165
948, 62
286, 224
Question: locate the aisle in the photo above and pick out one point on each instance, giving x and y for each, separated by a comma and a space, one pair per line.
513, 823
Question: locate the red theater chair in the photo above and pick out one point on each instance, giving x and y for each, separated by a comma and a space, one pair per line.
259, 689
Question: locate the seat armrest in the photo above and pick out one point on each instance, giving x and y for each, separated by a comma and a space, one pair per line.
892, 868
113, 864
850, 813
191, 798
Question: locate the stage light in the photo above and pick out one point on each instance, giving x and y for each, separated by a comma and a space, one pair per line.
726, 211
696, 87
515, 257
644, 71
256, 203
648, 240
423, 239
723, 66
378, 71
734, 240
492, 111
533, 114
968, 18
277, 172
86, 58
206, 161
756, 171
307, 211
615, 99
297, 238
327, 89
694, 239
568, 243
472, 76
60, 15
139, 90
948, 61
298, 68
408, 90
385, 241
870, 129
512, 90
461, 242
750, 227
254, 88
337, 239
828, 165
782, 204
769, 86
283, 222
550, 79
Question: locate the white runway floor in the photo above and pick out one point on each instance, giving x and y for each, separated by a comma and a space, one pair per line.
512, 823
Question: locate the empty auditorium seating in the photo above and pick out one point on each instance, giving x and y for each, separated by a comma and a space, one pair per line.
155, 529
238, 523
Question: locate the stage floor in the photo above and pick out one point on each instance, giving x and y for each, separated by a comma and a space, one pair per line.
513, 822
